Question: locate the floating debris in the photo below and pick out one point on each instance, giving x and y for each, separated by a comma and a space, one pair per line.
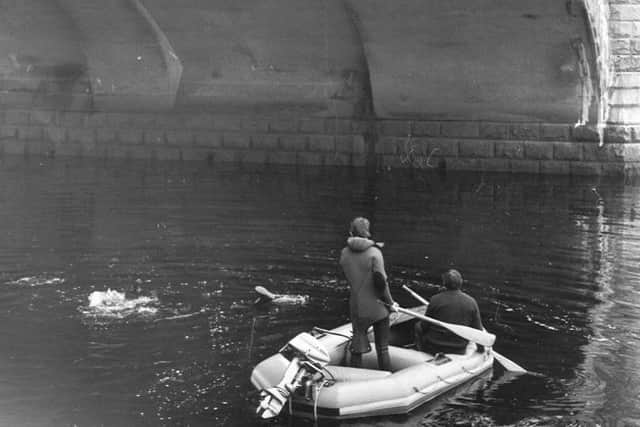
286, 299
34, 281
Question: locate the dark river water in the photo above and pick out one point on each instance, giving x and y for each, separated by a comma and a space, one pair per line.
553, 263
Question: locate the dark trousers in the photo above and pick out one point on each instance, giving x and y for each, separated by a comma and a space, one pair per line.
381, 332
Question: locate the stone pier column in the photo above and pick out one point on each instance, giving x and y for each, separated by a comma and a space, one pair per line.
624, 92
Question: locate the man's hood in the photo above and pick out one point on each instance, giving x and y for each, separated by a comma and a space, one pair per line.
360, 244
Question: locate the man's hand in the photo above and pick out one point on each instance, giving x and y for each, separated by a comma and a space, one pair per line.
394, 307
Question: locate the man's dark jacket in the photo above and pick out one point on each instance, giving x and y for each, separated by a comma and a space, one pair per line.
451, 306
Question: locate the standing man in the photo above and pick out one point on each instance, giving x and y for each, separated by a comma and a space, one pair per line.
363, 265
451, 306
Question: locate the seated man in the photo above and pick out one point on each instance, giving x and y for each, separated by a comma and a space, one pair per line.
451, 306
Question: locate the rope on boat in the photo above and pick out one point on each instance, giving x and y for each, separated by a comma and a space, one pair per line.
330, 381
315, 403
419, 391
444, 381
326, 331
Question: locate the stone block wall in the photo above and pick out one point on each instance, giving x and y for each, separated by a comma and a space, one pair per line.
528, 147
624, 35
183, 136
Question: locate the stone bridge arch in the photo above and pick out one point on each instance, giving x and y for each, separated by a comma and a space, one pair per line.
486, 60
485, 84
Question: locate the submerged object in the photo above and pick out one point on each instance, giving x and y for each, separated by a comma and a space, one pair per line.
266, 295
301, 380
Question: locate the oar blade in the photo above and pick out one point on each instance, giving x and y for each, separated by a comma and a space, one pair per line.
508, 364
486, 339
475, 335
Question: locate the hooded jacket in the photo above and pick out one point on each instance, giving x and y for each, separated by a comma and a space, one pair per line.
361, 261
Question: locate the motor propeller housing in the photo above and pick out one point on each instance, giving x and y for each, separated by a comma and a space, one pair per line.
309, 358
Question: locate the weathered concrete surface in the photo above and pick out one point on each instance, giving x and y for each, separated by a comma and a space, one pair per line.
42, 61
258, 54
127, 63
482, 59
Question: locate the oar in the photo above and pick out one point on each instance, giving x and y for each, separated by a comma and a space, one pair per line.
506, 363
476, 335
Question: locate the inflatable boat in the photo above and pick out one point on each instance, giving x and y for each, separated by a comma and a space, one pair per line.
310, 376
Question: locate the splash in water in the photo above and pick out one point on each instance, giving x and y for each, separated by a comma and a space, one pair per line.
115, 304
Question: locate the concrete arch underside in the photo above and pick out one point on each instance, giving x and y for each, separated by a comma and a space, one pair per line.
480, 59
500, 60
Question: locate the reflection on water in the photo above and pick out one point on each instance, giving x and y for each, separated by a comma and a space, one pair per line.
613, 347
171, 254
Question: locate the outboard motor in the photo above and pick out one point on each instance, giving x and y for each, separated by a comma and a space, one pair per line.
309, 357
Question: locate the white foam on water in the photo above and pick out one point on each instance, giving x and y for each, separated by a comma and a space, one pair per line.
110, 298
39, 280
113, 303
